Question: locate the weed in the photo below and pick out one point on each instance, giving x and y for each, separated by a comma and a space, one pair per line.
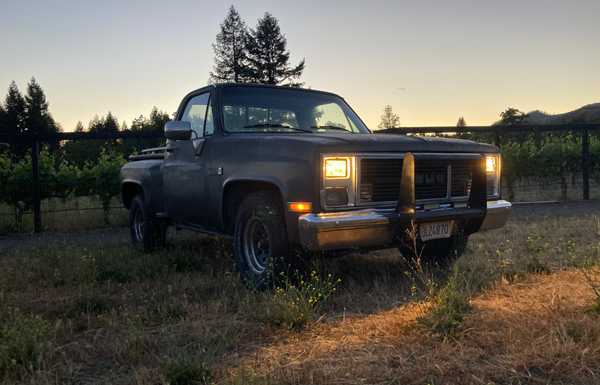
294, 305
166, 311
594, 283
133, 344
245, 376
185, 371
91, 304
536, 266
450, 305
420, 274
24, 340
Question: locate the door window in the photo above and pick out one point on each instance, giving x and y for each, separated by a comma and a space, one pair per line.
195, 113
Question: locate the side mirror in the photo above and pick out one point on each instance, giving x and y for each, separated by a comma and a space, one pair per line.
177, 130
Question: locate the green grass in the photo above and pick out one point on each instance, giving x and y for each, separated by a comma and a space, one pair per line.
296, 300
24, 340
109, 314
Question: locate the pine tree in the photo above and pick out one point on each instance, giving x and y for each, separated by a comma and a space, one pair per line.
139, 123
156, 123
38, 119
389, 119
110, 123
3, 126
107, 124
268, 56
79, 152
461, 123
231, 59
15, 119
158, 119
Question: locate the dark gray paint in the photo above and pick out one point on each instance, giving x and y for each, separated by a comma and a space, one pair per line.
189, 185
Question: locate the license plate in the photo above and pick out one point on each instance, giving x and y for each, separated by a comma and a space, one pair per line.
435, 230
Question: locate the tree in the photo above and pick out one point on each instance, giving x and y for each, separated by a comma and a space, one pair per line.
511, 116
110, 123
461, 124
268, 56
157, 120
3, 125
15, 119
389, 119
38, 119
231, 59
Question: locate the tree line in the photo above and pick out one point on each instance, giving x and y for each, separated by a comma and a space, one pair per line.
241, 55
509, 117
91, 167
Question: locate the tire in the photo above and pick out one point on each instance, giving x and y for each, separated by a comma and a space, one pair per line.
440, 252
147, 232
260, 246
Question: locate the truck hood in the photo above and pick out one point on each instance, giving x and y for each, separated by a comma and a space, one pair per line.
339, 142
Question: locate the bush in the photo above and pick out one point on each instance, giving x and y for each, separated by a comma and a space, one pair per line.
450, 305
106, 174
23, 342
293, 305
58, 179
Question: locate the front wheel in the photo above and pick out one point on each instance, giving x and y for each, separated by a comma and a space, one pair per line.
260, 238
147, 232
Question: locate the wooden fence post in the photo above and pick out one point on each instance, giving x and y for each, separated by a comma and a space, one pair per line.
585, 162
35, 168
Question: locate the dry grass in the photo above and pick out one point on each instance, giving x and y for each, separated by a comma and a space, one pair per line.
180, 316
536, 331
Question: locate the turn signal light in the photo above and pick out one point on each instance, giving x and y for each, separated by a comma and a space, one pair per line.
300, 207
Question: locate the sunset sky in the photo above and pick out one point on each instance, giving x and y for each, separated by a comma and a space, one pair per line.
433, 61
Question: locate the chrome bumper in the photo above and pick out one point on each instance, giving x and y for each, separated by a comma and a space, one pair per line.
376, 227
497, 215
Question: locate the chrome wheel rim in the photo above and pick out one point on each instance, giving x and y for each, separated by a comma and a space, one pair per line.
257, 245
138, 225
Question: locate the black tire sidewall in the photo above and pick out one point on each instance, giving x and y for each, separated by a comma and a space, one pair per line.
264, 206
154, 231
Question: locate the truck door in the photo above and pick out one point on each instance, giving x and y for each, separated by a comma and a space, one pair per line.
185, 167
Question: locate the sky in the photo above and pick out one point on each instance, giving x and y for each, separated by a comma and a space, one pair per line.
432, 61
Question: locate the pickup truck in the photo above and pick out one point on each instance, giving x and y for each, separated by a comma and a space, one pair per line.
282, 168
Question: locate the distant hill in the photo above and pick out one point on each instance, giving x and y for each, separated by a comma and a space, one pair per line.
586, 114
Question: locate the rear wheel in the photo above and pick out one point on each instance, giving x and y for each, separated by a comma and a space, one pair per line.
147, 232
260, 238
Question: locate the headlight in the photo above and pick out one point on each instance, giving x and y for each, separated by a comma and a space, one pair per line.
338, 188
337, 168
493, 170
491, 164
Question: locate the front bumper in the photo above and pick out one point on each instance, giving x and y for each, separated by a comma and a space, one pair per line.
378, 227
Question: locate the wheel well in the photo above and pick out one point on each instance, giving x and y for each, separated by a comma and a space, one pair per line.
128, 191
234, 194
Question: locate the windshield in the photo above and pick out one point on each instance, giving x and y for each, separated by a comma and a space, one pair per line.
255, 109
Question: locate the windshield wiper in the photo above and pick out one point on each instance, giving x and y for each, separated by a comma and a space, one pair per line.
276, 125
330, 127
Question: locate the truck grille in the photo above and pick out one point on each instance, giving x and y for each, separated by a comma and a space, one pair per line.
380, 179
